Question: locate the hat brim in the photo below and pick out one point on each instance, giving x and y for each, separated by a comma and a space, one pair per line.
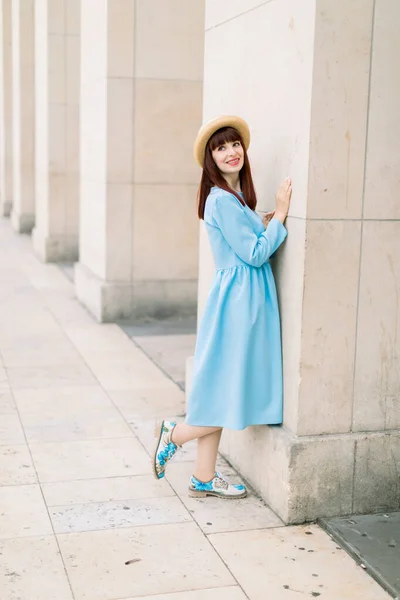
208, 129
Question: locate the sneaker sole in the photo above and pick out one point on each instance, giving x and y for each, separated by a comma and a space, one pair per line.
157, 434
203, 494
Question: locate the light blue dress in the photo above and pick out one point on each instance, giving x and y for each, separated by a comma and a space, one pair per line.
237, 375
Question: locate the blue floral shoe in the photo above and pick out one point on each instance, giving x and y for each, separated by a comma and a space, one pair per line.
165, 449
216, 487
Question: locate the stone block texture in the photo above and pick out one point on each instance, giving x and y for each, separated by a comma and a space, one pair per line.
6, 108
23, 117
338, 273
140, 111
57, 82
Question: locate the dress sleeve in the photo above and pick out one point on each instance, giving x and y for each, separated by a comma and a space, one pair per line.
236, 228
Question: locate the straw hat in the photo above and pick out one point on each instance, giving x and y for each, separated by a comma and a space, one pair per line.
207, 130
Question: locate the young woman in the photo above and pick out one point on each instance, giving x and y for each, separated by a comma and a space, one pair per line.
237, 378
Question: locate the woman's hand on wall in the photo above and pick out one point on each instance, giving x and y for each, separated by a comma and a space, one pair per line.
283, 200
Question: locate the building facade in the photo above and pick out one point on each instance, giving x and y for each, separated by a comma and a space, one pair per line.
100, 103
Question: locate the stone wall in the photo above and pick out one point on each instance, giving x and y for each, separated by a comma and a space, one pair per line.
314, 82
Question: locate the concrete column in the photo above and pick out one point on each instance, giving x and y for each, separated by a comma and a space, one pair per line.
2, 141
57, 50
6, 110
322, 106
23, 98
140, 108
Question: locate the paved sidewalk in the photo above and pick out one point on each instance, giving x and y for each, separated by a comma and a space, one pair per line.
167, 343
80, 513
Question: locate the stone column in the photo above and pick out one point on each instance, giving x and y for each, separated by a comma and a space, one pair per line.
141, 106
57, 41
323, 107
6, 110
23, 97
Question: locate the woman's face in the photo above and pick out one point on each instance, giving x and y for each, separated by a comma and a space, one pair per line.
229, 157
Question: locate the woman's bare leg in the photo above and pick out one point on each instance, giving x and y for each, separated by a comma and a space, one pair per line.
207, 451
183, 433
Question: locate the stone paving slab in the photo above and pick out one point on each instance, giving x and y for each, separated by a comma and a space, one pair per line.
373, 541
45, 352
293, 562
165, 558
225, 593
102, 423
32, 569
11, 432
111, 489
3, 380
114, 457
23, 512
131, 376
110, 515
49, 376
62, 401
168, 343
155, 327
106, 338
7, 404
169, 352
149, 403
16, 466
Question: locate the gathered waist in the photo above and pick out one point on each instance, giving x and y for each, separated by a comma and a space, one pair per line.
240, 266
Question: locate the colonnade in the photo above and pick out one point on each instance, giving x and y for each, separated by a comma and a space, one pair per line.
100, 102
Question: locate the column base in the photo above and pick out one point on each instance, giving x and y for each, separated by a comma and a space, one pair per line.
304, 478
6, 209
164, 299
22, 223
106, 301
110, 301
55, 248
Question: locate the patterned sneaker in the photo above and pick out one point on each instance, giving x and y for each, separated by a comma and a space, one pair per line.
165, 449
216, 487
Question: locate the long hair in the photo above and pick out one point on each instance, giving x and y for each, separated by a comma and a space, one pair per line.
212, 175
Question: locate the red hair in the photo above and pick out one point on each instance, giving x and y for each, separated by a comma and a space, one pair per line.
212, 176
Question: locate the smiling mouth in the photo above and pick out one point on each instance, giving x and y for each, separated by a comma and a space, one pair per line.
233, 162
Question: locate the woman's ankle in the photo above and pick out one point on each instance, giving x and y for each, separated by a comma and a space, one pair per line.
203, 477
175, 437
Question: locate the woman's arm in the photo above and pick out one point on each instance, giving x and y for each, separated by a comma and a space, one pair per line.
236, 228
267, 217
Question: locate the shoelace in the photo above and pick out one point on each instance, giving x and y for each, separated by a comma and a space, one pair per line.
223, 483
